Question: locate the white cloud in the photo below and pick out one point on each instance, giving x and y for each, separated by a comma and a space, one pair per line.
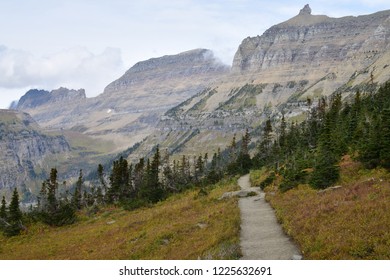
73, 68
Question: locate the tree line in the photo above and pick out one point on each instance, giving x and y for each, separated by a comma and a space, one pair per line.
125, 184
299, 153
309, 152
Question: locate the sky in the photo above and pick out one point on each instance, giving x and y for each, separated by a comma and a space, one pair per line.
46, 44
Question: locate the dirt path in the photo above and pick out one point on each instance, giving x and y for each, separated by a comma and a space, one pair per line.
262, 237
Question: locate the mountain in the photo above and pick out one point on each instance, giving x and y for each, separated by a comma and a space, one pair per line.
37, 98
312, 46
23, 149
305, 57
129, 108
190, 103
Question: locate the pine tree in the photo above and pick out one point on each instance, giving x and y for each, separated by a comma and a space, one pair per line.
264, 149
119, 181
144, 190
77, 199
184, 172
244, 161
3, 214
42, 198
214, 174
154, 186
326, 171
52, 186
384, 153
15, 215
15, 225
139, 174
168, 175
3, 209
370, 144
154, 172
282, 135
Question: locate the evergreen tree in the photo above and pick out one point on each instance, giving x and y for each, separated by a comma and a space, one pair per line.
168, 174
119, 181
154, 171
282, 135
184, 173
3, 209
326, 171
77, 199
370, 144
214, 173
53, 211
3, 214
139, 174
42, 198
264, 150
312, 129
52, 186
384, 153
232, 163
153, 184
14, 226
244, 161
199, 168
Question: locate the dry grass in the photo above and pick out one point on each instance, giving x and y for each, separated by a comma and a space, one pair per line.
351, 222
186, 226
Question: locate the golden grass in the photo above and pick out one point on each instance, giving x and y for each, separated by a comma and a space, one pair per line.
186, 226
258, 176
351, 222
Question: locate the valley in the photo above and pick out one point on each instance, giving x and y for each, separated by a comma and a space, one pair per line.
138, 171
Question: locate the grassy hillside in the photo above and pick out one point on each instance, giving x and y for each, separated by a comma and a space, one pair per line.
351, 221
190, 225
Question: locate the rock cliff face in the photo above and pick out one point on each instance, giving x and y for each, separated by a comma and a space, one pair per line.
315, 41
23, 147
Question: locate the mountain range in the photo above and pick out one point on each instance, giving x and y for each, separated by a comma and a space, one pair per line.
191, 103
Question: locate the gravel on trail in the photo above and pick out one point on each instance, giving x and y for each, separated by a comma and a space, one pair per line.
262, 237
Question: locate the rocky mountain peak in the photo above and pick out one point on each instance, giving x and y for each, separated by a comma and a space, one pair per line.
182, 65
306, 10
35, 98
314, 40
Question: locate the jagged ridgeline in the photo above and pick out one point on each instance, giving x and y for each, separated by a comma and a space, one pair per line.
191, 104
